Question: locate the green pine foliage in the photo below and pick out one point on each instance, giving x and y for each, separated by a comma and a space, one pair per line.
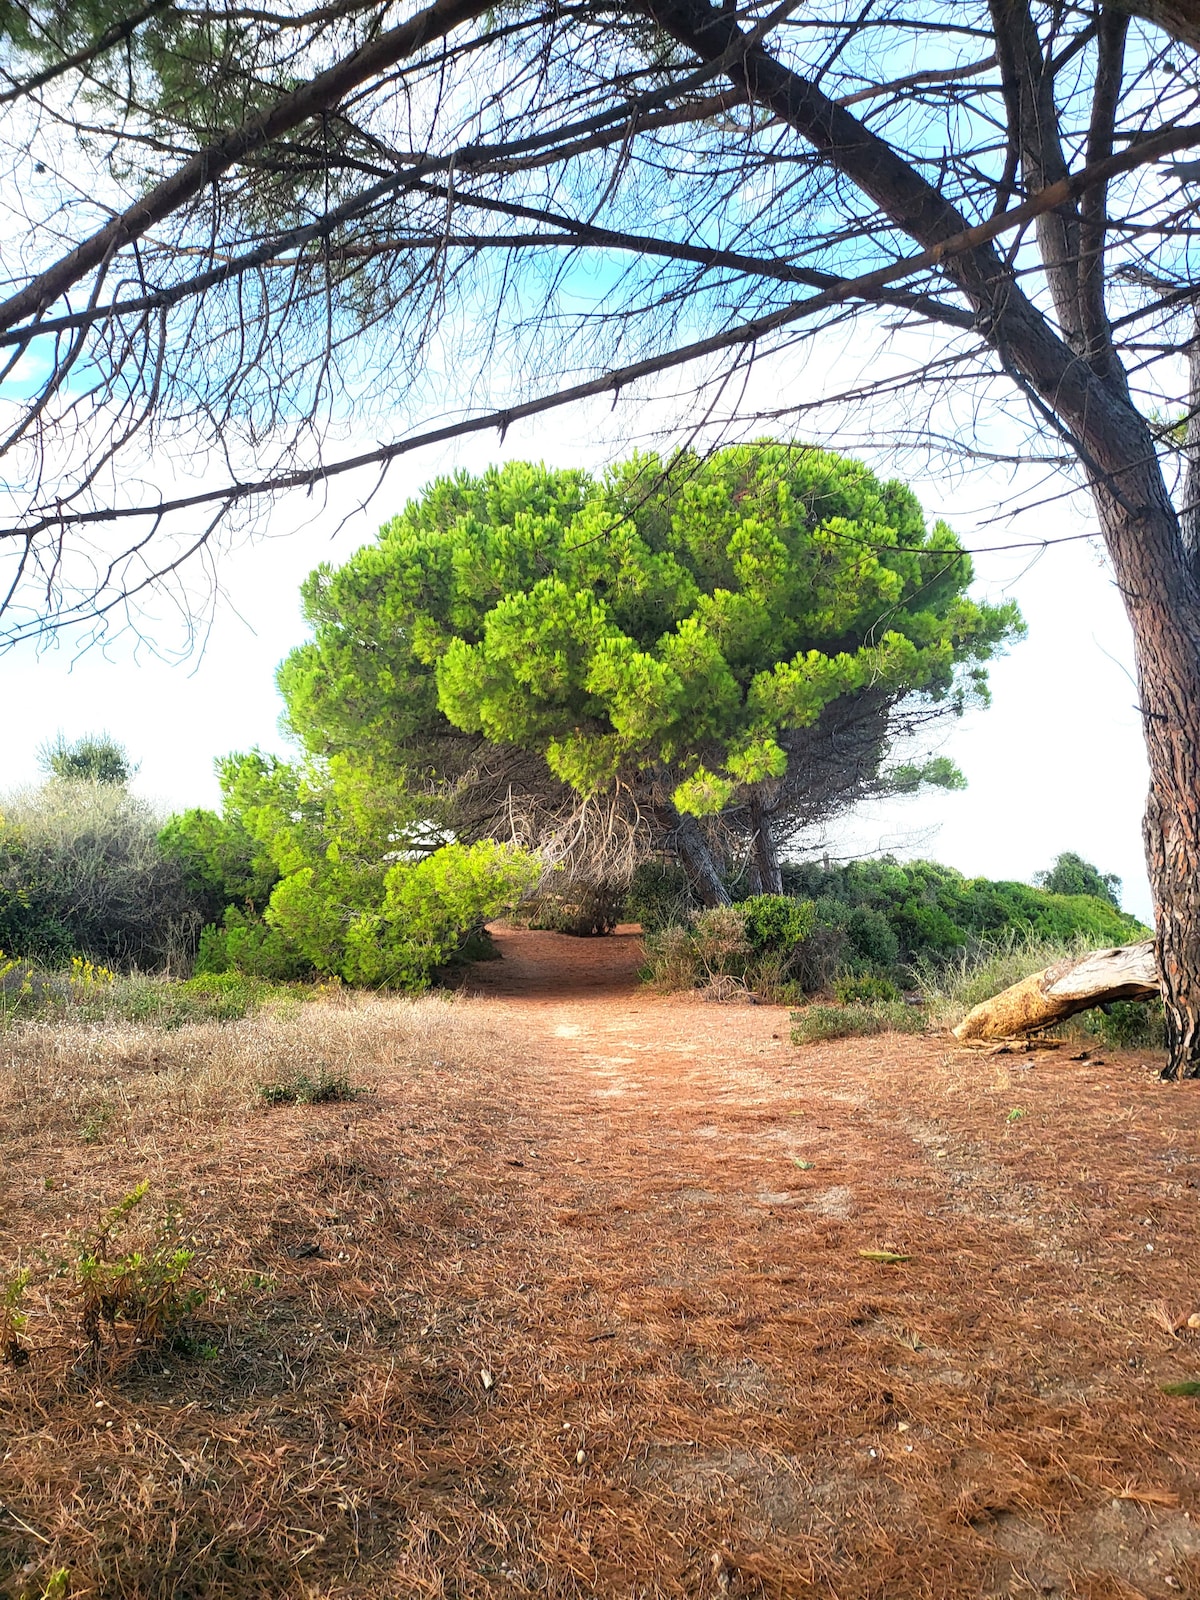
356, 887
1071, 874
675, 626
94, 758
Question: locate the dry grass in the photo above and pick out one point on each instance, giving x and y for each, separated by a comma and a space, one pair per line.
486, 1334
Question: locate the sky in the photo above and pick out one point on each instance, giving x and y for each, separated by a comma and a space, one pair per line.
1056, 763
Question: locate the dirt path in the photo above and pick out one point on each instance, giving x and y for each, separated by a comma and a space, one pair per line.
983, 1418
583, 1301
580, 1005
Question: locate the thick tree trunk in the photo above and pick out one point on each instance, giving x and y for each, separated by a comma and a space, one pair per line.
763, 853
697, 860
1189, 515
1127, 973
1162, 598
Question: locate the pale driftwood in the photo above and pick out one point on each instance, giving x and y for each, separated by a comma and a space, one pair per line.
1129, 972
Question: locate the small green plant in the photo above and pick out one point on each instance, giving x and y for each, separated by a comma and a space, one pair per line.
91, 1130
847, 990
303, 1090
1015, 1114
776, 923
13, 1321
58, 1585
152, 1290
818, 1022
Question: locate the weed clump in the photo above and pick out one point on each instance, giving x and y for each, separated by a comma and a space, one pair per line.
304, 1090
855, 1020
148, 1285
89, 993
152, 1290
13, 1321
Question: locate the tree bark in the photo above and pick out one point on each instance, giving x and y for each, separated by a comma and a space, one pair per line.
1162, 598
763, 852
1127, 973
1189, 516
693, 851
1179, 18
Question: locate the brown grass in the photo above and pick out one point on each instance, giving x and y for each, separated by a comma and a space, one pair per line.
642, 1220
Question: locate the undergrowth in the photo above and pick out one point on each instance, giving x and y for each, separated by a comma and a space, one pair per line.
302, 1089
854, 1020
88, 993
136, 1285
751, 948
149, 1288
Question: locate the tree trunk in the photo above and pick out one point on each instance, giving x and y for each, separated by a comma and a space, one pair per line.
693, 851
763, 854
1068, 987
1162, 598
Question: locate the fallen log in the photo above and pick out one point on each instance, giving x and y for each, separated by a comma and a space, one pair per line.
1129, 972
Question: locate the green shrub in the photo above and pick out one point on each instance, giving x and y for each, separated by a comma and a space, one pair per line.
869, 988
82, 873
365, 892
13, 1321
659, 896
871, 937
1072, 875
895, 916
776, 924
95, 758
221, 863
748, 948
1126, 1025
244, 943
151, 1285
817, 1022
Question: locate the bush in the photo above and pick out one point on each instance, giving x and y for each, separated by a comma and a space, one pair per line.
364, 893
244, 943
586, 910
776, 924
84, 992
894, 917
222, 865
152, 1289
849, 989
97, 758
82, 873
747, 948
304, 1090
817, 1022
1071, 874
659, 896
